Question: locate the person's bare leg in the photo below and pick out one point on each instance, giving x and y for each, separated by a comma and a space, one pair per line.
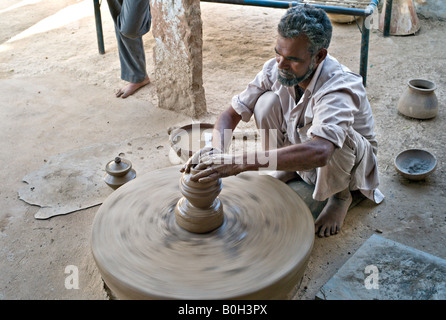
131, 88
332, 217
284, 176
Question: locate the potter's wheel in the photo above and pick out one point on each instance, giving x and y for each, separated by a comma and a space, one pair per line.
259, 252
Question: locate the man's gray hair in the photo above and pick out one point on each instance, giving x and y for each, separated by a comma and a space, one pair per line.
309, 21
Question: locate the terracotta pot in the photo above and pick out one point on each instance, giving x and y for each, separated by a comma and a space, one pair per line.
419, 100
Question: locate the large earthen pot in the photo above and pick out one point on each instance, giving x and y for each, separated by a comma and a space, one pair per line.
419, 100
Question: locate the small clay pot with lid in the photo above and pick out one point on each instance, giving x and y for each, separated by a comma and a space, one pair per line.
119, 171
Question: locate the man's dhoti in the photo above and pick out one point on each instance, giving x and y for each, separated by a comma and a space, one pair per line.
353, 166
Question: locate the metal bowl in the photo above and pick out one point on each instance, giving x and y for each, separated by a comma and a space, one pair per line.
415, 164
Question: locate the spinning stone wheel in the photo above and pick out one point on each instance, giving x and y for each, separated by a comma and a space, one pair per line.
260, 250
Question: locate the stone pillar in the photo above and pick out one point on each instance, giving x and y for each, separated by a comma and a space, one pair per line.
177, 29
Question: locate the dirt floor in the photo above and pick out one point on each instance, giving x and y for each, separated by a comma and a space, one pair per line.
57, 96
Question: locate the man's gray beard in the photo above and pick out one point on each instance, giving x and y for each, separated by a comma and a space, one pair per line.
296, 80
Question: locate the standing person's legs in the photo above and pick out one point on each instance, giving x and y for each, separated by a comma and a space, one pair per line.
132, 20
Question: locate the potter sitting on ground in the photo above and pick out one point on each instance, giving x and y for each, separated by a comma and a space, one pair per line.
314, 119
132, 20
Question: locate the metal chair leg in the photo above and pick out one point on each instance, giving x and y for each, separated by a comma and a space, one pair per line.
364, 52
100, 36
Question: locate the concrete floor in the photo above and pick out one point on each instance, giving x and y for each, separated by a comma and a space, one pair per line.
57, 97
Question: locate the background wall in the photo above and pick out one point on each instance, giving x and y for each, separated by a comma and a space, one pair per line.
431, 9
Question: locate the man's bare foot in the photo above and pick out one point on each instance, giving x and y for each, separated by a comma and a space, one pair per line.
332, 216
131, 88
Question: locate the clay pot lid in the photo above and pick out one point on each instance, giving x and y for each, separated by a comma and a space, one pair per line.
118, 167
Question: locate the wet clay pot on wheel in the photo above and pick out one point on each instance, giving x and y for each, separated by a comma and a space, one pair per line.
200, 195
419, 100
199, 210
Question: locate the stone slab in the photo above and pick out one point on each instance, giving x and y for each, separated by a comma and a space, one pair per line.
383, 269
177, 29
431, 9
